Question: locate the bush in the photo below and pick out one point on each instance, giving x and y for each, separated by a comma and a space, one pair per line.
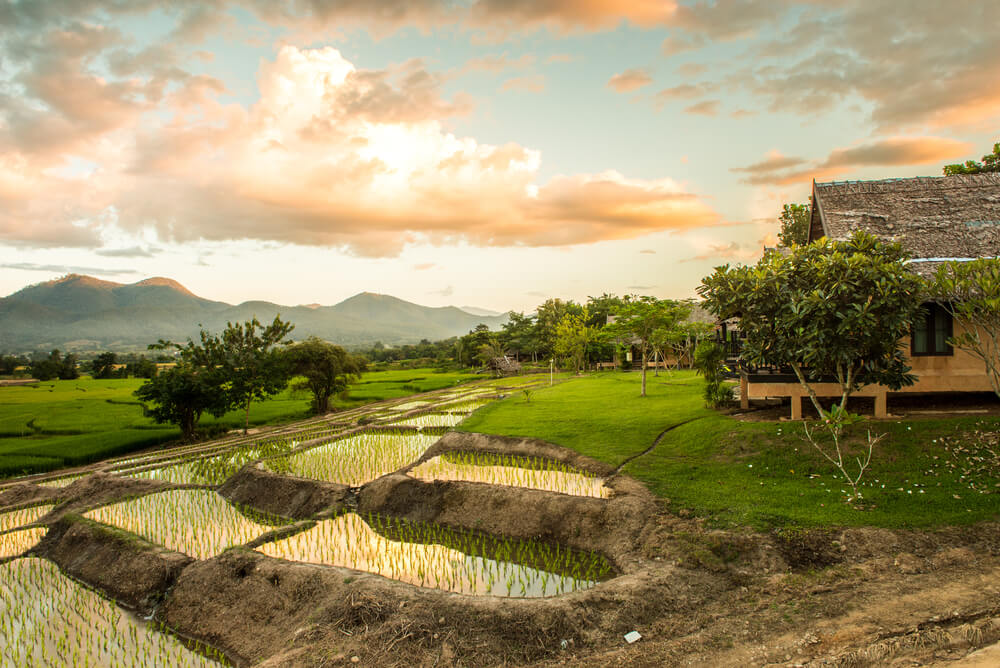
709, 361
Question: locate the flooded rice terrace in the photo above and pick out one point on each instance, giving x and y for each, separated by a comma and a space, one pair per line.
49, 619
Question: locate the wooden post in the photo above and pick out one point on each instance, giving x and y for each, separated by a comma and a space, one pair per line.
881, 402
744, 391
796, 406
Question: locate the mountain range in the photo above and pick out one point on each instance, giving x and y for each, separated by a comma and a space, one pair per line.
82, 313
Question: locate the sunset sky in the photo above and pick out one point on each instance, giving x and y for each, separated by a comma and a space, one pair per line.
471, 152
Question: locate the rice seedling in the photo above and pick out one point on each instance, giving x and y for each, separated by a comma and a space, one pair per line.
197, 522
14, 519
47, 619
65, 481
354, 460
432, 556
214, 470
465, 406
430, 420
18, 541
410, 405
512, 471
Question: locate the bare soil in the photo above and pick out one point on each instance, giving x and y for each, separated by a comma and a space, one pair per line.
857, 597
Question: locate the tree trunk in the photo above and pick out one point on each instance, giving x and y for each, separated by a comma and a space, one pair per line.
246, 422
643, 355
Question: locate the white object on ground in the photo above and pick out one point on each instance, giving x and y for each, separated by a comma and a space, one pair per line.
632, 636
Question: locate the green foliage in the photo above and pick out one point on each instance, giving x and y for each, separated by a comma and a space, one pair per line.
572, 337
830, 310
103, 365
970, 291
327, 370
638, 319
180, 395
252, 361
709, 358
54, 366
794, 221
990, 163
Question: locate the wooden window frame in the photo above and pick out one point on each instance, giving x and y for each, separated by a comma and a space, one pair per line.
932, 309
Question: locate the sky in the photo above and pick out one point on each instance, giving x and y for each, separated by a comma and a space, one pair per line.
490, 153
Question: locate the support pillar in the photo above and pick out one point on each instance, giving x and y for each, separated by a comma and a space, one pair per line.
881, 402
796, 406
744, 391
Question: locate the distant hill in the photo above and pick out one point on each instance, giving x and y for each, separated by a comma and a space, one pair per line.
85, 313
475, 310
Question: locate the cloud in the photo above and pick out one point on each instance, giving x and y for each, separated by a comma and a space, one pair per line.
777, 169
534, 83
733, 250
647, 251
66, 269
560, 58
688, 70
424, 266
629, 80
640, 287
497, 63
329, 155
447, 291
703, 108
135, 251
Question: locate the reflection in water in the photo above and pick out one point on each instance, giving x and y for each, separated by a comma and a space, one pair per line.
197, 522
356, 459
18, 541
433, 556
512, 471
13, 519
46, 619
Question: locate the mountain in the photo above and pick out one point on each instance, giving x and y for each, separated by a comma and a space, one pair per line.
84, 313
475, 310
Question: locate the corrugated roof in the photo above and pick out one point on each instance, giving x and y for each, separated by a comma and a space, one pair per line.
933, 217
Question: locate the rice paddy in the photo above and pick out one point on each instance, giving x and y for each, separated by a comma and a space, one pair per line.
467, 406
213, 470
14, 519
432, 556
47, 619
65, 481
431, 420
356, 459
17, 542
199, 523
512, 471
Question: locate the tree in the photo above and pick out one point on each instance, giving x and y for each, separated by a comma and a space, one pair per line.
328, 370
253, 363
970, 292
68, 369
46, 368
519, 334
572, 337
637, 319
181, 394
794, 221
547, 317
829, 310
990, 163
103, 365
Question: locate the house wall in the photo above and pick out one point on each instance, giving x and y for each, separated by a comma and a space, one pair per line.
959, 372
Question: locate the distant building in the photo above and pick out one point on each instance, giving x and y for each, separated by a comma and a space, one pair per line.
936, 219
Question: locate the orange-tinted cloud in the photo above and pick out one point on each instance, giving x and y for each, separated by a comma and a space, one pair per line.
330, 155
777, 169
534, 83
629, 80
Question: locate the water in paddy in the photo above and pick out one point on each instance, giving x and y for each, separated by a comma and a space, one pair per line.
14, 519
430, 420
432, 556
213, 470
47, 619
197, 522
356, 459
16, 542
512, 471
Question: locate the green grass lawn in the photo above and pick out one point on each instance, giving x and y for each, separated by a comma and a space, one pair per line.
61, 423
925, 472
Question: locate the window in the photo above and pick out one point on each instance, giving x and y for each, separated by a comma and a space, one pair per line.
931, 332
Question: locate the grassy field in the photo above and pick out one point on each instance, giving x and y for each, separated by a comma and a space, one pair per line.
925, 473
63, 423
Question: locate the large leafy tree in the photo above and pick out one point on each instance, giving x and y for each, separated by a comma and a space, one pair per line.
794, 221
990, 163
638, 318
103, 365
970, 291
180, 395
830, 310
252, 361
327, 370
573, 335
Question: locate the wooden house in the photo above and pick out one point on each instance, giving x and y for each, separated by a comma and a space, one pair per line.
936, 219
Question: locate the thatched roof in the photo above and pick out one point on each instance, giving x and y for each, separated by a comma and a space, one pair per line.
935, 218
